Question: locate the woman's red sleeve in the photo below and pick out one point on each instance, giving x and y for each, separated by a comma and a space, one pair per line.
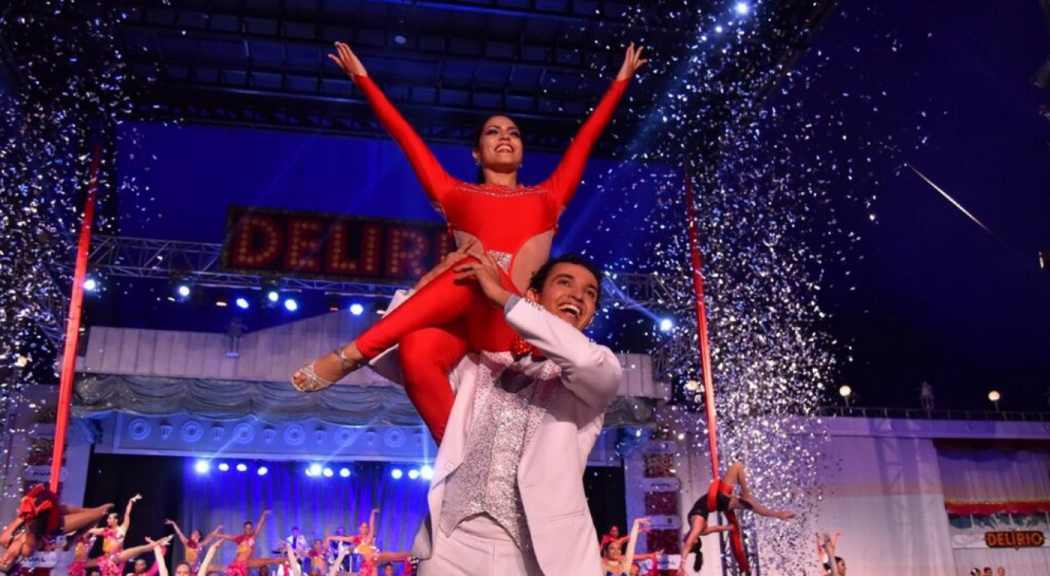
435, 181
566, 177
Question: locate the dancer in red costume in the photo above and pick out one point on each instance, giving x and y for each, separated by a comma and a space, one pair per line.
364, 545
40, 518
719, 498
194, 543
513, 222
246, 548
113, 538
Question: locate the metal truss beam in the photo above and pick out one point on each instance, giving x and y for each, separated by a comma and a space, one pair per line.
115, 256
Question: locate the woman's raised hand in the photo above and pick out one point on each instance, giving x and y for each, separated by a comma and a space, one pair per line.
347, 60
632, 61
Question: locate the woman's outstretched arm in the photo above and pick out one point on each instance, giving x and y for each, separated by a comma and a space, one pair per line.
435, 181
566, 177
127, 513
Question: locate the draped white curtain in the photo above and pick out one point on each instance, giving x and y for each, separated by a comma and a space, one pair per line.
995, 475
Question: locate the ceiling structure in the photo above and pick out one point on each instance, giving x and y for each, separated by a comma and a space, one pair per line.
263, 63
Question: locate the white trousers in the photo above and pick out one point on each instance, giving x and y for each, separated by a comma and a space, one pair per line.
479, 546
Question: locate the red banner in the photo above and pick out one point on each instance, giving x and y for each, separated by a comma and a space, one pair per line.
344, 248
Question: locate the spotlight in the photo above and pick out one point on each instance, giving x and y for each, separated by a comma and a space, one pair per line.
692, 385
242, 467
314, 470
666, 324
224, 467
90, 284
396, 473
242, 302
271, 293
413, 474
273, 296
357, 309
290, 304
400, 39
263, 470
344, 472
201, 467
426, 473
742, 8
328, 472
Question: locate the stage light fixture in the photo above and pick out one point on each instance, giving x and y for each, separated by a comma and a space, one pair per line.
263, 470
328, 473
742, 8
242, 302
396, 473
242, 467
994, 396
357, 309
314, 470
224, 467
426, 473
290, 304
344, 472
666, 324
90, 284
273, 296
201, 467
413, 474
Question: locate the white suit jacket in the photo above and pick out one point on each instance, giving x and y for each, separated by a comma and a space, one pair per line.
550, 474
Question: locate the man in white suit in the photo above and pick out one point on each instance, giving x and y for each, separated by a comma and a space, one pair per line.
507, 495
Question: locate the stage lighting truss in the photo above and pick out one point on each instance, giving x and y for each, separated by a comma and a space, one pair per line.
117, 257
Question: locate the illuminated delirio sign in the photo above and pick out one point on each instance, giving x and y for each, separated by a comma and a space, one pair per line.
1015, 539
310, 245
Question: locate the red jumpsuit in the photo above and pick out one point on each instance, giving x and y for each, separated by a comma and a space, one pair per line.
445, 320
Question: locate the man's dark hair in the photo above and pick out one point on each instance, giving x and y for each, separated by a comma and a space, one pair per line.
540, 277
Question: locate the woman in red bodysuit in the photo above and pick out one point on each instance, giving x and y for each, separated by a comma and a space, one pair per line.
514, 223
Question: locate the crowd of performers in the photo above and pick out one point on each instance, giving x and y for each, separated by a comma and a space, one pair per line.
43, 524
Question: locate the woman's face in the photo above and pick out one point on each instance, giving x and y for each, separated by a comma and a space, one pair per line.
614, 531
499, 146
111, 520
195, 535
182, 569
363, 529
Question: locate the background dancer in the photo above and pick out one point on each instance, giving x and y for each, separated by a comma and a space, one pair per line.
111, 563
193, 543
616, 563
515, 223
245, 542
363, 545
113, 536
833, 565
722, 492
40, 518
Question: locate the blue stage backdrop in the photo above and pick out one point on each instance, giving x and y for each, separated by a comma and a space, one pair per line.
314, 504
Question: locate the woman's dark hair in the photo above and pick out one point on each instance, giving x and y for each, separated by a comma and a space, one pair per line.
479, 131
540, 277
186, 564
698, 560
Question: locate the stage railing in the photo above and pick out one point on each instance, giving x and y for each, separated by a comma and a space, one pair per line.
921, 414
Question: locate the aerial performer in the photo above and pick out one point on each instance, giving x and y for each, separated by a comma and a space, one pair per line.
512, 222
720, 498
40, 519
